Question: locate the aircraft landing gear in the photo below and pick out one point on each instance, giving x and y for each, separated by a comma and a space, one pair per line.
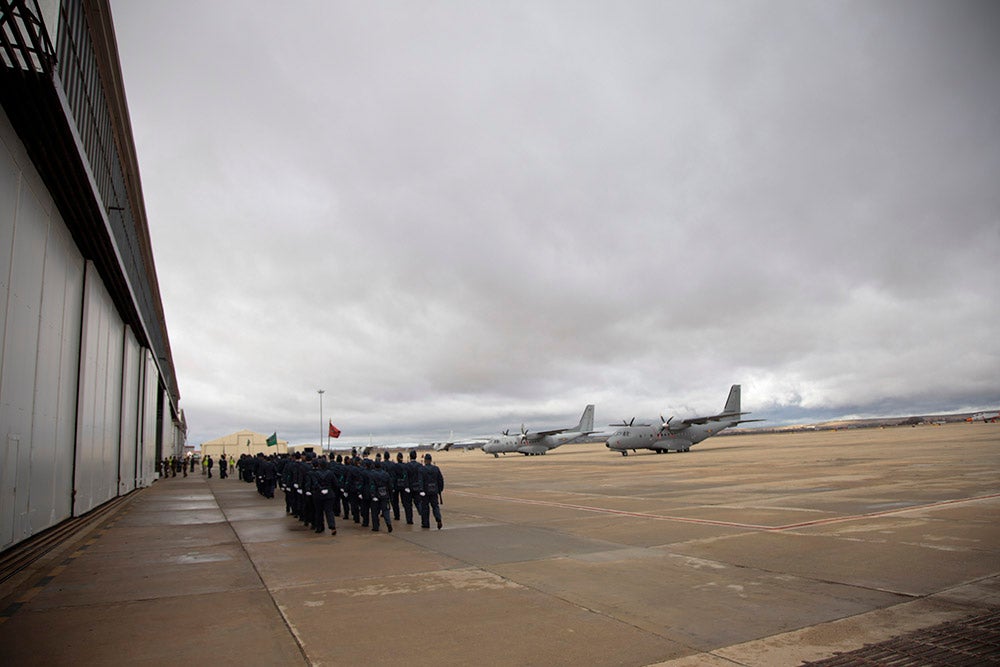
496, 456
624, 453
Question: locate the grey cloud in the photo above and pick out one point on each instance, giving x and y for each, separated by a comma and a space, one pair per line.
461, 216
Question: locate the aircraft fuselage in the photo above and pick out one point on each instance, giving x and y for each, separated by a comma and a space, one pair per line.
539, 442
662, 439
507, 444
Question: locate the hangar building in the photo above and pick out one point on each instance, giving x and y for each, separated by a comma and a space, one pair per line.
88, 394
242, 442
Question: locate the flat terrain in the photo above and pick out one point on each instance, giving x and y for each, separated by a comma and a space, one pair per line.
748, 550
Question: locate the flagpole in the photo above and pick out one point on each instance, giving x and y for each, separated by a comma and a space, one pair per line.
320, 392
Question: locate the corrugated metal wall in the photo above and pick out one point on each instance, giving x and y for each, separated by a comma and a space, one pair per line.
131, 388
54, 406
41, 285
98, 420
78, 394
147, 427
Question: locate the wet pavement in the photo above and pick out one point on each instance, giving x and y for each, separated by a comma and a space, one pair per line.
749, 550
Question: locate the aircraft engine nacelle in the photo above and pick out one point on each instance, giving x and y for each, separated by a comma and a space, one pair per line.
670, 426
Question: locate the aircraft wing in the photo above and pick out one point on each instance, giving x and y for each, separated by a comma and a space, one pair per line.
469, 444
721, 417
744, 421
472, 443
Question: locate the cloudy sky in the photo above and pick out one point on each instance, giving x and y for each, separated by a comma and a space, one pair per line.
468, 215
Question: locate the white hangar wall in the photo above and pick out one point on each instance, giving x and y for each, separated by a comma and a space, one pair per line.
132, 387
78, 393
41, 281
99, 412
149, 397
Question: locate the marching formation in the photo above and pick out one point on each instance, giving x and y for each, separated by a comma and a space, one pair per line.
319, 489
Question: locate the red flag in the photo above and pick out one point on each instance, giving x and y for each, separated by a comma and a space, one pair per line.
334, 431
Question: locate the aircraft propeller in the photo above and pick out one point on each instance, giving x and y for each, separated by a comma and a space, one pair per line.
666, 426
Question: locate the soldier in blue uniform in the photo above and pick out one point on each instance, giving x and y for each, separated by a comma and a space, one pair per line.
333, 469
258, 473
300, 470
288, 481
433, 485
364, 495
269, 474
283, 469
324, 493
400, 488
378, 488
356, 483
414, 481
309, 492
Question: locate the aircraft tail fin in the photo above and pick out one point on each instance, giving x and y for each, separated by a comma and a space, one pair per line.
733, 402
731, 413
586, 424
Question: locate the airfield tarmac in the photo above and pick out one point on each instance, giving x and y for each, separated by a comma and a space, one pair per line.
748, 550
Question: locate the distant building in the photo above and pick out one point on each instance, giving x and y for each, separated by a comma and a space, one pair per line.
89, 400
242, 442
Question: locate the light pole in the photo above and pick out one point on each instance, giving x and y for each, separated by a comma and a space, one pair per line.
320, 392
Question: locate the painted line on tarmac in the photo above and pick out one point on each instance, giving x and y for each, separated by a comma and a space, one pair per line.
606, 510
730, 524
898, 510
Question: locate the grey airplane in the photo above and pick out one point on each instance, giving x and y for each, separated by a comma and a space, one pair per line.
539, 442
677, 435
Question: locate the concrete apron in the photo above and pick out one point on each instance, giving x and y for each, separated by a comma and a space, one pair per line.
764, 551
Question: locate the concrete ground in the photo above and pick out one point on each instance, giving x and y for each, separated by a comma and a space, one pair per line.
749, 550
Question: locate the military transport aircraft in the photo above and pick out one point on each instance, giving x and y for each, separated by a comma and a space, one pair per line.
680, 435
539, 442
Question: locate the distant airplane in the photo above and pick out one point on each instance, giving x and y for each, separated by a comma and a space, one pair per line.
539, 442
678, 436
984, 416
467, 443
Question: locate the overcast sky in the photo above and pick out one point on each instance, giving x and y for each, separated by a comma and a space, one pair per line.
468, 215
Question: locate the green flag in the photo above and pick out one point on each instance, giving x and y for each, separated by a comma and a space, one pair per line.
273, 440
